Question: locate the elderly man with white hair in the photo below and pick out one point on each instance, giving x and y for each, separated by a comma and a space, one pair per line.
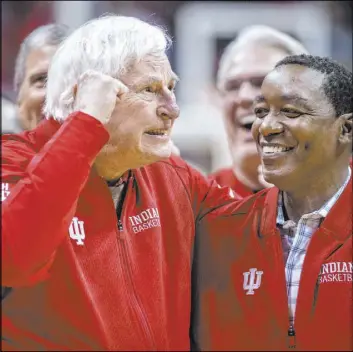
243, 66
97, 221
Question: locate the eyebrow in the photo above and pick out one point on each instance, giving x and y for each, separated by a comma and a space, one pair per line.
153, 79
35, 75
175, 77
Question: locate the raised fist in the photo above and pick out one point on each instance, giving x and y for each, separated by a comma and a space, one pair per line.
96, 94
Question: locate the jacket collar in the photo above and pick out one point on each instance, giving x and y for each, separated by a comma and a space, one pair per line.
338, 222
120, 180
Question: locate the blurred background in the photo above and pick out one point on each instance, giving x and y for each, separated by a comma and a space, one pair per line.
200, 31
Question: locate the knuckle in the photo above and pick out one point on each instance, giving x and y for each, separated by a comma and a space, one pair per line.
106, 79
87, 75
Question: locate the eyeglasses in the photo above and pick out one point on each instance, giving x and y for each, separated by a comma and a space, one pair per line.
247, 126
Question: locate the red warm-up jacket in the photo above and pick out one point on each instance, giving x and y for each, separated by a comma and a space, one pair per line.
77, 274
226, 178
234, 310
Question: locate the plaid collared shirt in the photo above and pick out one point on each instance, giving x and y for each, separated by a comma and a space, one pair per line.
295, 241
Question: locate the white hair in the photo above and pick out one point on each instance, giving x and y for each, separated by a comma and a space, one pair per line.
111, 45
260, 35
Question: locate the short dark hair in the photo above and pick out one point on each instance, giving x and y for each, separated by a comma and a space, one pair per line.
49, 34
338, 83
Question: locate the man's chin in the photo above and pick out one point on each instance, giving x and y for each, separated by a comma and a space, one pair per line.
137, 156
155, 149
157, 153
281, 177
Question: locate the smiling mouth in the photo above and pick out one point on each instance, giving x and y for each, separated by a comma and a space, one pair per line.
158, 132
273, 150
245, 122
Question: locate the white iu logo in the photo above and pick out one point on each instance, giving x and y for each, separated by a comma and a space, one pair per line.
77, 232
4, 191
250, 283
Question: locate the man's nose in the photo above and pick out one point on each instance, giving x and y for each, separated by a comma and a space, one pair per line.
270, 126
168, 111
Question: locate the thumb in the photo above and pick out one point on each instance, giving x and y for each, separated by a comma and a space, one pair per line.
121, 88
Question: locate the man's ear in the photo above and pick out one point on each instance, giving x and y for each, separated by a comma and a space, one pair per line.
346, 128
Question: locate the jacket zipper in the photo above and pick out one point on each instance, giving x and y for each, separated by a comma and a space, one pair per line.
291, 337
129, 277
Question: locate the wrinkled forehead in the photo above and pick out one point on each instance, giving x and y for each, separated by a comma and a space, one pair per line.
149, 67
294, 80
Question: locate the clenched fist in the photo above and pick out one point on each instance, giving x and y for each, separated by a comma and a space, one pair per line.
97, 94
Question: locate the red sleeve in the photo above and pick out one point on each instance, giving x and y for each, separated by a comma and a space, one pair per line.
207, 194
39, 199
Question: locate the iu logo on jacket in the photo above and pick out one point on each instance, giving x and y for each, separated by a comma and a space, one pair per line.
77, 231
4, 191
252, 280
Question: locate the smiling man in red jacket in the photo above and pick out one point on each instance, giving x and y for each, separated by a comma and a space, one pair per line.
97, 223
276, 271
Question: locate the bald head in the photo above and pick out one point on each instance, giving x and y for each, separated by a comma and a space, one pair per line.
259, 36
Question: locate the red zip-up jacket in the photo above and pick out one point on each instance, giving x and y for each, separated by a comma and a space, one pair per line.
76, 275
226, 178
240, 299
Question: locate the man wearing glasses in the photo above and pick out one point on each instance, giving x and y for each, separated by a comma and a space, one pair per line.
243, 66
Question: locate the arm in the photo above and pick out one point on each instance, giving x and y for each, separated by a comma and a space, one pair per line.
42, 197
45, 188
207, 195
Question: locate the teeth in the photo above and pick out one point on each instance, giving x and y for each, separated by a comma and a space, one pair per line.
268, 149
157, 132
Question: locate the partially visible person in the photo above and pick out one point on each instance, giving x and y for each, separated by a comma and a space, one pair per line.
9, 122
243, 66
31, 69
276, 273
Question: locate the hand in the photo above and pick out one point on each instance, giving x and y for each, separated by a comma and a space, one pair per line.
96, 94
